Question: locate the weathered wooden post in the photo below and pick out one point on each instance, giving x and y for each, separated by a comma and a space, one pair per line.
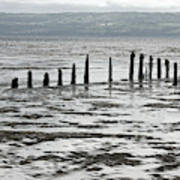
14, 83
159, 68
73, 77
60, 83
131, 68
86, 73
150, 67
46, 80
140, 75
175, 82
29, 80
110, 79
167, 68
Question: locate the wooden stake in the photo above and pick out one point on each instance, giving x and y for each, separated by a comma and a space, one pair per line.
29, 80
175, 75
167, 68
141, 59
150, 67
110, 71
60, 83
73, 77
131, 68
14, 83
158, 68
46, 80
86, 73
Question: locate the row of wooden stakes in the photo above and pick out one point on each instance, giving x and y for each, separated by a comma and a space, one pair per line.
46, 80
150, 66
141, 75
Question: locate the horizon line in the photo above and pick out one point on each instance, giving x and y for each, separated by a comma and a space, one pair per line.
95, 12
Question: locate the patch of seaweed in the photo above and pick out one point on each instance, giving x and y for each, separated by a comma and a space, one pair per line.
9, 109
108, 121
34, 116
39, 137
78, 113
13, 124
94, 168
160, 105
114, 159
168, 167
167, 158
168, 148
104, 104
90, 126
88, 161
48, 157
169, 99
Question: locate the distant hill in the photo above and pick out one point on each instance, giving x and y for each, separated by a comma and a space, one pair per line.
90, 24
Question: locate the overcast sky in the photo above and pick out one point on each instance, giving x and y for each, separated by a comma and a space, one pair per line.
43, 6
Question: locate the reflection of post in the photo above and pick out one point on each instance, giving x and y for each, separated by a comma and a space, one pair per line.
158, 68
60, 83
86, 73
131, 68
175, 75
167, 68
46, 80
140, 75
73, 77
110, 71
14, 83
29, 81
146, 73
150, 67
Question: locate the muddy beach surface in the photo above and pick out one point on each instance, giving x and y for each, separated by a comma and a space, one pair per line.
75, 132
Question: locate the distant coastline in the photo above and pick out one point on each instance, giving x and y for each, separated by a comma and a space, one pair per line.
113, 24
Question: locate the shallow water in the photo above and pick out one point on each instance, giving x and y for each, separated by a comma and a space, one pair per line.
122, 131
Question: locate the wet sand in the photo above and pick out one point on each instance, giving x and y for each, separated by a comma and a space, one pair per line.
71, 132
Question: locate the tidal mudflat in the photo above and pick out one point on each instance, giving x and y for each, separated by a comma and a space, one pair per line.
100, 132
